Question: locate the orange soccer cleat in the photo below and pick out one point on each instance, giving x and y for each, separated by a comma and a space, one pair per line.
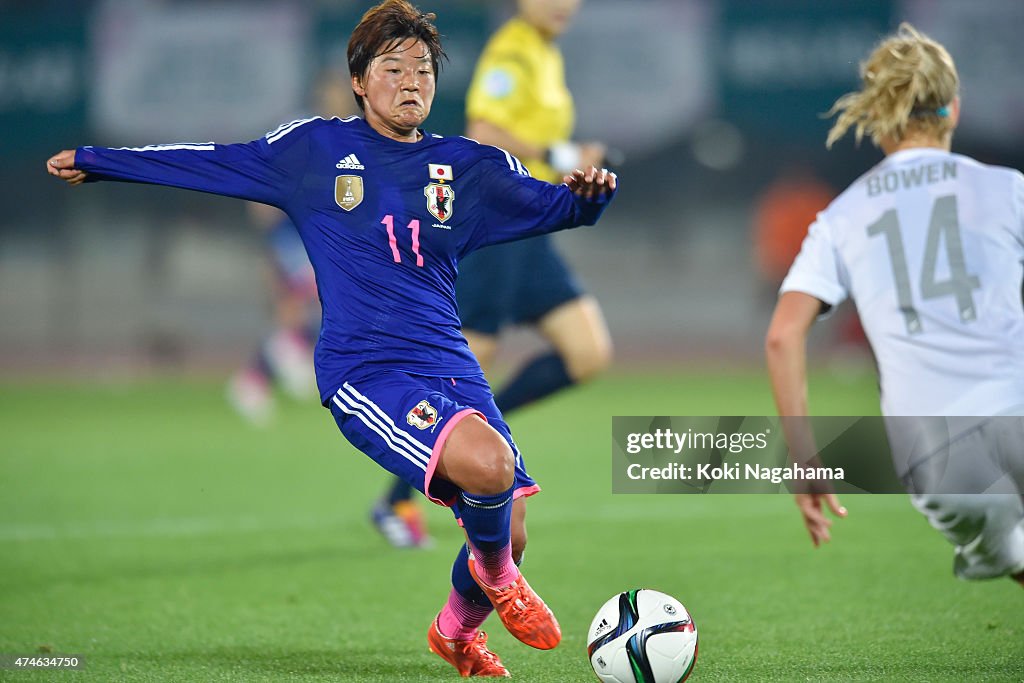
522, 612
469, 657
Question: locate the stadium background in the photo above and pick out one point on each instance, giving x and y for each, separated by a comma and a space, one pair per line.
145, 526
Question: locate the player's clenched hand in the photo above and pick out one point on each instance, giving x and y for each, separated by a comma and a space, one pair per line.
591, 182
62, 165
817, 523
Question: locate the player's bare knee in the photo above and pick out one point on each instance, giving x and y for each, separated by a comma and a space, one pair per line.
592, 360
495, 467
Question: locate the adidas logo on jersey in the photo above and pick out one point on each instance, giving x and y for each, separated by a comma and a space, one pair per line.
351, 162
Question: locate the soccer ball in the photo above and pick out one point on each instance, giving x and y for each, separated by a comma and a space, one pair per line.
642, 636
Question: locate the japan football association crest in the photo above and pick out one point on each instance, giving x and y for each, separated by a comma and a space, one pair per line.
348, 191
440, 197
423, 416
440, 200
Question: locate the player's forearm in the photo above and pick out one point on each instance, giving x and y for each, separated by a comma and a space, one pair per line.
570, 210
552, 209
786, 356
787, 368
786, 350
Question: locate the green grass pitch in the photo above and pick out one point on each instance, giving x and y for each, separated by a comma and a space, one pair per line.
144, 527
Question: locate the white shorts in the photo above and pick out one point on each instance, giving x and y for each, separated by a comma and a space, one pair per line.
987, 530
971, 488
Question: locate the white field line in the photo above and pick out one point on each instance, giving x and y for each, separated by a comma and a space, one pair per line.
167, 527
159, 527
685, 509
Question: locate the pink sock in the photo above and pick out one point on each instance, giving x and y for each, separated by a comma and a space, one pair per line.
496, 569
460, 618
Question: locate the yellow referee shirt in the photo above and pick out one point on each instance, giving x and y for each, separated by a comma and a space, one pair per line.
519, 86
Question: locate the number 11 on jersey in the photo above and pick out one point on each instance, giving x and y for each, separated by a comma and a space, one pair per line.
414, 225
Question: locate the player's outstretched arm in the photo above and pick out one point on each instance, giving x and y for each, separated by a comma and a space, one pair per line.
266, 170
62, 165
514, 206
786, 356
591, 182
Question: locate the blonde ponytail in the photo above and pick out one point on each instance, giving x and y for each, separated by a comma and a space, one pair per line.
907, 85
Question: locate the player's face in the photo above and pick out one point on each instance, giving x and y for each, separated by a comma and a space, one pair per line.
551, 17
397, 90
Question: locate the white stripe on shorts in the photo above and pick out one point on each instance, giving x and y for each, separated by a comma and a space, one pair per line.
361, 414
389, 423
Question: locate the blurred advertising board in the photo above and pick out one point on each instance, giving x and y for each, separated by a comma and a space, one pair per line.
170, 72
983, 37
782, 64
43, 67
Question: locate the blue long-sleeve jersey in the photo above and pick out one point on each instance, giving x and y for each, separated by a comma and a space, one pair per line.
384, 224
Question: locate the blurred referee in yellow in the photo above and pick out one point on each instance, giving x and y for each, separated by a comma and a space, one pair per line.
518, 101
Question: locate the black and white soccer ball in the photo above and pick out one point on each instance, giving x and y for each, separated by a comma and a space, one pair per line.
642, 636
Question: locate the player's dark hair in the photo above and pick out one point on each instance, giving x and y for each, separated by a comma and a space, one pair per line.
383, 28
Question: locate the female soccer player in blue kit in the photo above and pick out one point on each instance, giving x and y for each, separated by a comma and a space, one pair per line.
385, 211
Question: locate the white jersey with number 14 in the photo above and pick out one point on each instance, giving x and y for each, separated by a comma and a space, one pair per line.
930, 247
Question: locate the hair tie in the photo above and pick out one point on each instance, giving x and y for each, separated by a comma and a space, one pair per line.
942, 112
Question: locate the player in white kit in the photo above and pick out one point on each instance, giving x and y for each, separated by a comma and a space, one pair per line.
930, 246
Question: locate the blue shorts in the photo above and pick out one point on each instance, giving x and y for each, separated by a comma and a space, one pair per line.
513, 283
402, 421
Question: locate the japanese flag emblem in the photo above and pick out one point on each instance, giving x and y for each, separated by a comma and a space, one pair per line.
441, 172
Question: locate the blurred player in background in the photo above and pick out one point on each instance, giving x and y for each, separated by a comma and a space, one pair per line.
518, 101
929, 245
284, 358
386, 211
782, 213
